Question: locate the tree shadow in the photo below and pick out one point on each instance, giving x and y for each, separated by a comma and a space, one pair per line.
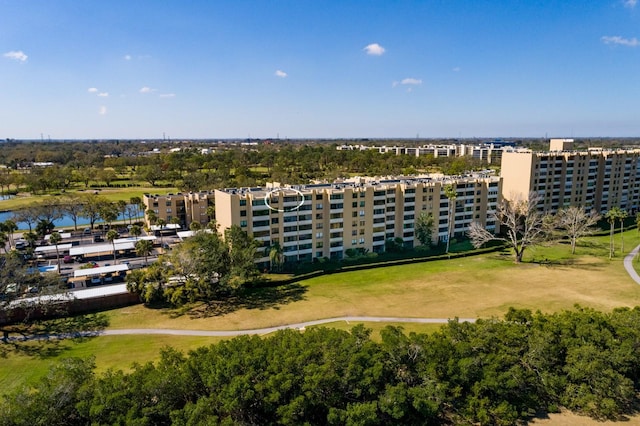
49, 338
250, 298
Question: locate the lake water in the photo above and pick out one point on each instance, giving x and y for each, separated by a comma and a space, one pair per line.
64, 222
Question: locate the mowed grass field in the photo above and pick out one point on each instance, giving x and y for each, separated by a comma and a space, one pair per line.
550, 279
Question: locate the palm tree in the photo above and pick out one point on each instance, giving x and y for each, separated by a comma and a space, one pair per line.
136, 231
4, 238
621, 217
276, 256
10, 227
450, 193
195, 226
161, 223
152, 217
137, 203
144, 248
55, 238
175, 220
612, 216
111, 236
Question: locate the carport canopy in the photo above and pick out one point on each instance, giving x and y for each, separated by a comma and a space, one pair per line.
99, 271
100, 248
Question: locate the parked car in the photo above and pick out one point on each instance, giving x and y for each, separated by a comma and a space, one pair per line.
108, 278
67, 259
98, 239
96, 280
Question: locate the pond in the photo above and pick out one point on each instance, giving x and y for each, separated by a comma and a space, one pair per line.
6, 196
64, 222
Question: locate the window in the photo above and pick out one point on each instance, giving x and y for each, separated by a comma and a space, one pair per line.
243, 223
243, 213
243, 202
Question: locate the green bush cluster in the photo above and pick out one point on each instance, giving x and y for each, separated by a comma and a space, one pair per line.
489, 372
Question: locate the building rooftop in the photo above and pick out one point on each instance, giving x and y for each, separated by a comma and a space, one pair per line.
357, 182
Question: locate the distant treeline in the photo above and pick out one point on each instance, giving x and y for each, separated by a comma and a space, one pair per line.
493, 371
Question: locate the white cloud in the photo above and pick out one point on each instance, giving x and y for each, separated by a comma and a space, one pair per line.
127, 57
146, 89
16, 55
167, 95
280, 73
630, 3
92, 90
411, 81
104, 94
102, 110
374, 49
630, 42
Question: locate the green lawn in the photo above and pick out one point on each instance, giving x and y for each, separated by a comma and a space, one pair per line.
30, 361
550, 279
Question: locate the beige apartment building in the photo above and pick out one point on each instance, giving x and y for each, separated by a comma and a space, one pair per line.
326, 220
187, 207
596, 180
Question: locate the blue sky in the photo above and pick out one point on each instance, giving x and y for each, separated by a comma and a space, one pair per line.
304, 69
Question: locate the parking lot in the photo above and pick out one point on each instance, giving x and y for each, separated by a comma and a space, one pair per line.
96, 254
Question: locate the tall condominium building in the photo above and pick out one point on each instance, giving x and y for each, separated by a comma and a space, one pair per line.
187, 207
326, 220
595, 179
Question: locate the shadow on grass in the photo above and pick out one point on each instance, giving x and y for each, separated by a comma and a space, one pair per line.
45, 339
250, 298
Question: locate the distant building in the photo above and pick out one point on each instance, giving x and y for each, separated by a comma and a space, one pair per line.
490, 152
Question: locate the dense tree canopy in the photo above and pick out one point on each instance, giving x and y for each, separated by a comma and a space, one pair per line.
204, 268
493, 372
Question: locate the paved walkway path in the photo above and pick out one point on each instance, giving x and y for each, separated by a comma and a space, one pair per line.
628, 265
267, 330
230, 333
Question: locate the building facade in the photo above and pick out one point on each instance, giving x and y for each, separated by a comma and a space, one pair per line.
326, 220
596, 180
187, 207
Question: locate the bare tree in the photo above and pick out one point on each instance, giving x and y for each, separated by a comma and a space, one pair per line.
523, 225
575, 223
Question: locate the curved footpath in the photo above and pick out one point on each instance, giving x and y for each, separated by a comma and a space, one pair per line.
628, 264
